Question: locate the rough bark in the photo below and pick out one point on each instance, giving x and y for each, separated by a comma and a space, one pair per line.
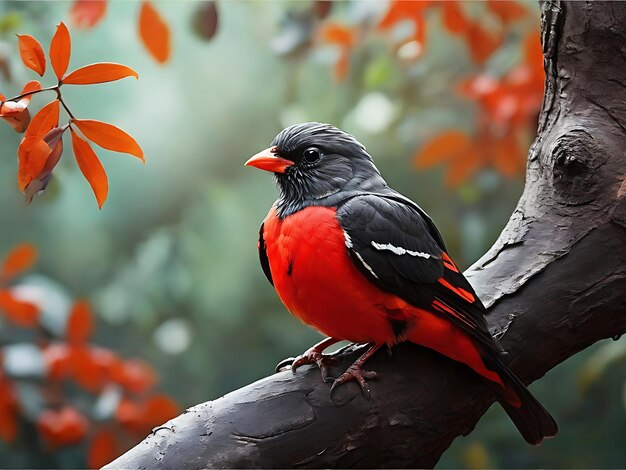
554, 283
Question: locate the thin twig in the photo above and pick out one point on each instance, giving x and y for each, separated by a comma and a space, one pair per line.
24, 95
60, 98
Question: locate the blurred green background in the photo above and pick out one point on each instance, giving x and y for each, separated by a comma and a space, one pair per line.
170, 262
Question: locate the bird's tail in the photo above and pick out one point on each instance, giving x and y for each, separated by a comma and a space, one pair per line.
531, 419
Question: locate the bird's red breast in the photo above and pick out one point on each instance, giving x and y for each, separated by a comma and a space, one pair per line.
320, 285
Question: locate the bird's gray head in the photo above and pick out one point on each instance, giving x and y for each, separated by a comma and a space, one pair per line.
314, 163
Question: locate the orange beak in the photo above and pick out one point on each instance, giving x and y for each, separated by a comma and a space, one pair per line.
268, 161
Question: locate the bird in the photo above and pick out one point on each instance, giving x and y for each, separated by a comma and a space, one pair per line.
359, 262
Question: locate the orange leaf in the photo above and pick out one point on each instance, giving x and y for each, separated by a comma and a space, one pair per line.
80, 322
85, 370
91, 367
32, 157
154, 32
109, 137
33, 151
159, 409
13, 108
63, 427
57, 359
139, 417
40, 182
54, 140
44, 121
442, 148
507, 11
18, 311
60, 49
32, 53
335, 33
128, 413
463, 167
101, 72
16, 116
454, 19
2, 97
19, 259
91, 168
88, 13
482, 43
507, 156
30, 87
103, 449
134, 375
16, 112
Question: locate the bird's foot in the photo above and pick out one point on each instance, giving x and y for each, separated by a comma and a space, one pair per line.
313, 356
358, 375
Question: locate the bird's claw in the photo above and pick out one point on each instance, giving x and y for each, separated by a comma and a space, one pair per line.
357, 374
284, 364
314, 357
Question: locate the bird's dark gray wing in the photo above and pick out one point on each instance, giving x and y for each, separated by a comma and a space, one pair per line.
391, 239
395, 247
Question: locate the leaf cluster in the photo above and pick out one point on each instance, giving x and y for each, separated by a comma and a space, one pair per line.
78, 393
41, 148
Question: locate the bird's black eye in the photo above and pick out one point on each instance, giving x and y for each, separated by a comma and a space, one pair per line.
311, 155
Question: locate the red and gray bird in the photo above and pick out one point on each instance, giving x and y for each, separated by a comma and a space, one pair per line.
360, 262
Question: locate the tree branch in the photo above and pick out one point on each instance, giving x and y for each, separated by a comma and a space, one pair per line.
554, 283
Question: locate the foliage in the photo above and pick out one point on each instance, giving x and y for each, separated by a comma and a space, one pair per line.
88, 13
153, 30
42, 146
508, 108
73, 392
507, 105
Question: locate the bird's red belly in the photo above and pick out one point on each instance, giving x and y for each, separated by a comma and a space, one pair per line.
317, 281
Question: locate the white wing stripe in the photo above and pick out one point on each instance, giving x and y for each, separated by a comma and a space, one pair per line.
367, 266
398, 250
348, 239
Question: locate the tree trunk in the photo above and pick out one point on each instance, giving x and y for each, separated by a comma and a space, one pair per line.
554, 283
